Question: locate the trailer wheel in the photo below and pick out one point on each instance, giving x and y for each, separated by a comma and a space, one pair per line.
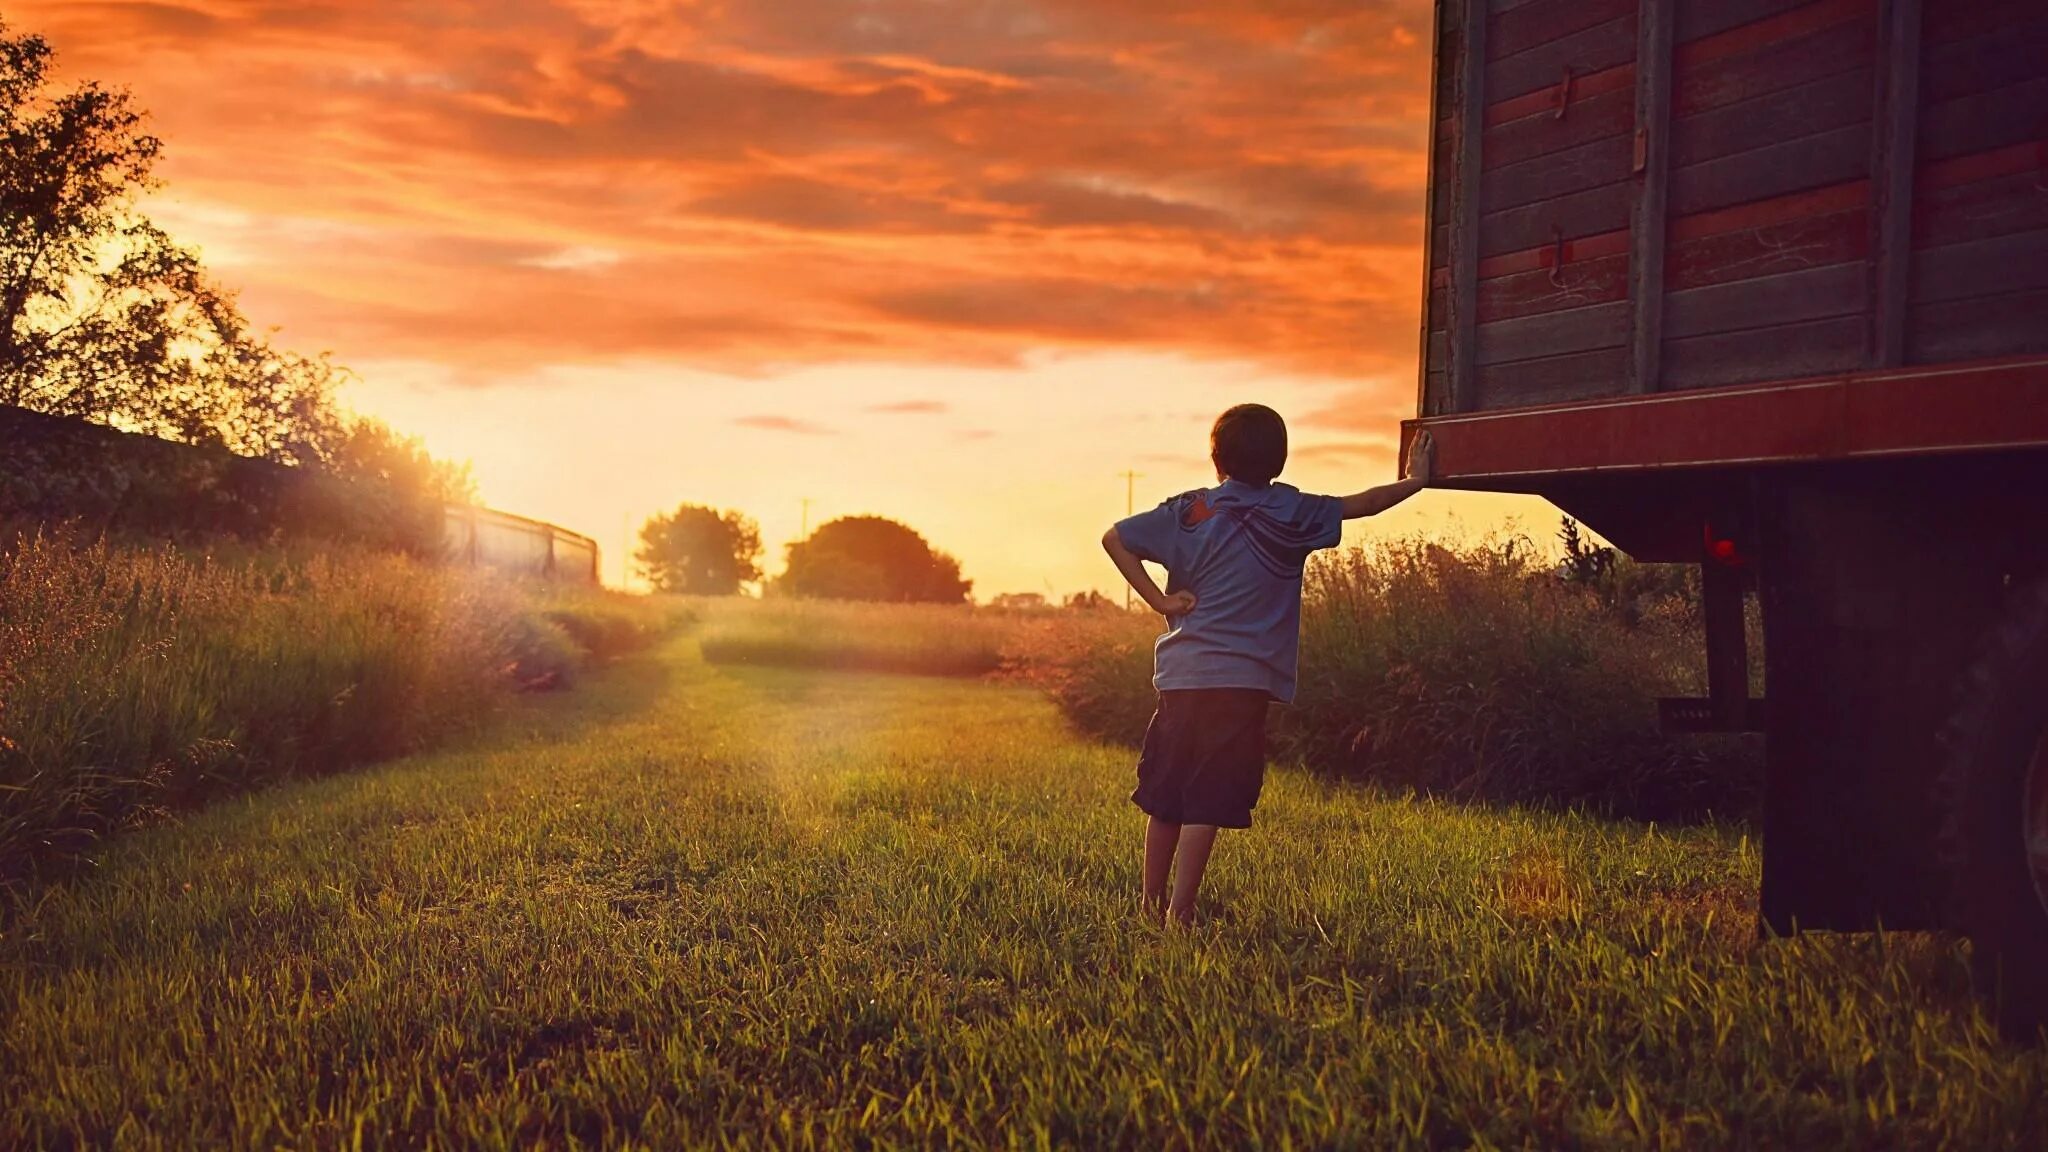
1994, 834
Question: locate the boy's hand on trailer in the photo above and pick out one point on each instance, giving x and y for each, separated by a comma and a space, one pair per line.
1422, 458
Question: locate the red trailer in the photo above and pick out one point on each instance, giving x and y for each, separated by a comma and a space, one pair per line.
1763, 285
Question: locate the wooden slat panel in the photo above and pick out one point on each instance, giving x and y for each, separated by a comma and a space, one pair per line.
1579, 214
1891, 180
2013, 54
1979, 327
1775, 353
1533, 293
1837, 101
1955, 171
1553, 333
1440, 246
1769, 249
1592, 247
1997, 266
1543, 101
1844, 197
1559, 174
1995, 207
1986, 120
1647, 209
1462, 319
1587, 119
1810, 162
1789, 297
1779, 29
1773, 68
1601, 46
1698, 19
1543, 21
1577, 376
1950, 20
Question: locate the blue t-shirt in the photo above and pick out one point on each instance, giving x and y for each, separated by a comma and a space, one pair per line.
1240, 550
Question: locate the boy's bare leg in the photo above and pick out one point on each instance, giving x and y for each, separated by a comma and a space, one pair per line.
1194, 844
1160, 840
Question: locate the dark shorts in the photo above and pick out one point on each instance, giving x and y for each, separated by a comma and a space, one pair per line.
1205, 757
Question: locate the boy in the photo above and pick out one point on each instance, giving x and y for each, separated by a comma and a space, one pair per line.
1233, 556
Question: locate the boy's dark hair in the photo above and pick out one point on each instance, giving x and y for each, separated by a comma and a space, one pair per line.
1249, 444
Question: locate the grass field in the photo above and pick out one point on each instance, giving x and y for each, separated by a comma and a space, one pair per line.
709, 905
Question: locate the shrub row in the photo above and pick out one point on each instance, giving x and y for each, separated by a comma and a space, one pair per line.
932, 640
1473, 673
136, 681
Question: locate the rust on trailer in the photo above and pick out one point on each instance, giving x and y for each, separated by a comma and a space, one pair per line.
1925, 410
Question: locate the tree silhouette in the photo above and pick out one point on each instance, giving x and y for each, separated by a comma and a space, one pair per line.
103, 316
700, 550
871, 558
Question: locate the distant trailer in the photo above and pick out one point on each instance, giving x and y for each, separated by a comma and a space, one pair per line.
1763, 285
482, 538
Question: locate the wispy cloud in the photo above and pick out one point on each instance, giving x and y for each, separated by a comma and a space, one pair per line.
783, 424
912, 408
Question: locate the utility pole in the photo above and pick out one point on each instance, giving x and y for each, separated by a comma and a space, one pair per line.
1130, 506
806, 533
625, 550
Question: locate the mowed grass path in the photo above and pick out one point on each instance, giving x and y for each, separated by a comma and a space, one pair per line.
704, 906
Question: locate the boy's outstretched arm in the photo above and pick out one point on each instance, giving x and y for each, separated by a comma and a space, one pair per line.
1373, 501
1141, 582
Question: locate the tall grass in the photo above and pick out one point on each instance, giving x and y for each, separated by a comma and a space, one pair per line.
134, 681
1473, 673
924, 639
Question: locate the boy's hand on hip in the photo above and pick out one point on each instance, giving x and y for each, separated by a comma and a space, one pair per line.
1175, 604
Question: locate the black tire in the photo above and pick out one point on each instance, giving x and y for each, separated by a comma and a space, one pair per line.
1994, 787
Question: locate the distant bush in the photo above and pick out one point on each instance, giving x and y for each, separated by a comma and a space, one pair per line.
924, 639
870, 558
134, 681
1475, 673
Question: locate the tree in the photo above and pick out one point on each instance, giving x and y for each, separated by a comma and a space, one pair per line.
103, 316
871, 558
700, 550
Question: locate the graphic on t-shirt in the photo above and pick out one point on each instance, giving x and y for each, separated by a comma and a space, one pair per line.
1281, 546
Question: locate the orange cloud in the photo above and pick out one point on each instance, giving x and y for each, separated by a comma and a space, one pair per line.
783, 424
492, 184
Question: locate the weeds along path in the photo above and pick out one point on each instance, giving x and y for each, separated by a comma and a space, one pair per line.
694, 906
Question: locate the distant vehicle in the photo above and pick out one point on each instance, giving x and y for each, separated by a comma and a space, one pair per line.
1763, 285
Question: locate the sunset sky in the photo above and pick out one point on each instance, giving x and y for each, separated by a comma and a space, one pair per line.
959, 263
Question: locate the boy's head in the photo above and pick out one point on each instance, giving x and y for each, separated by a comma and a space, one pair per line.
1249, 444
